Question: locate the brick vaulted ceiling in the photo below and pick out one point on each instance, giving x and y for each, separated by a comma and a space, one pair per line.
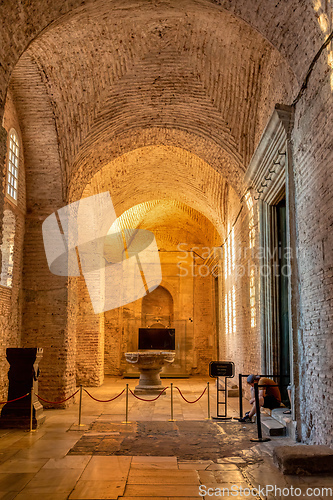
120, 76
164, 173
172, 223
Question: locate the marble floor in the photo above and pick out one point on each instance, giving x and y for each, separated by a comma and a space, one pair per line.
37, 465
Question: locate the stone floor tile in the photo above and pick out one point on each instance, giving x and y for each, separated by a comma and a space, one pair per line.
97, 490
55, 479
68, 462
47, 449
14, 482
154, 466
114, 468
229, 476
159, 490
201, 462
195, 464
34, 494
206, 477
20, 465
223, 467
230, 489
144, 498
154, 463
185, 498
7, 455
242, 497
8, 495
152, 459
28, 439
232, 460
192, 466
165, 476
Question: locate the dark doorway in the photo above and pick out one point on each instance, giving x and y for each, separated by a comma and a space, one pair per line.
283, 282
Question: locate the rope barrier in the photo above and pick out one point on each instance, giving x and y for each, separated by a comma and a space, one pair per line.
57, 402
11, 401
191, 402
104, 400
107, 400
141, 399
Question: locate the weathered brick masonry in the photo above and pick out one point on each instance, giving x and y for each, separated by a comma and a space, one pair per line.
313, 157
165, 102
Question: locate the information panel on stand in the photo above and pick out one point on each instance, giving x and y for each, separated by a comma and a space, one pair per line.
221, 369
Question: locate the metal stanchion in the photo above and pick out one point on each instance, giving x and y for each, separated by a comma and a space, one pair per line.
31, 407
259, 439
223, 403
208, 402
171, 387
126, 417
240, 385
80, 405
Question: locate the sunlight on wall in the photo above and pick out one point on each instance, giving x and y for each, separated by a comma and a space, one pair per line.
249, 204
324, 14
230, 295
229, 253
7, 249
226, 314
252, 299
230, 311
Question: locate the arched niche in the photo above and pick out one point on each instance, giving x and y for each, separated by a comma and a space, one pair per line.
157, 309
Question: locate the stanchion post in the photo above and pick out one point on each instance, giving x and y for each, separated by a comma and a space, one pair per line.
240, 385
80, 405
226, 397
126, 404
31, 407
171, 387
259, 439
208, 401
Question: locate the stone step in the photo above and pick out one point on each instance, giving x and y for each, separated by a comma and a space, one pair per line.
272, 427
304, 459
287, 421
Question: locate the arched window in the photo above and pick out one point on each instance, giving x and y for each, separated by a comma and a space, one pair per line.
13, 165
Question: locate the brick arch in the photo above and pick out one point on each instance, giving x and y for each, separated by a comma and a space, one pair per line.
110, 153
109, 71
157, 172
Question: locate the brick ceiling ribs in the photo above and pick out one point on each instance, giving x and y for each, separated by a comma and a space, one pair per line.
289, 25
184, 185
191, 76
172, 223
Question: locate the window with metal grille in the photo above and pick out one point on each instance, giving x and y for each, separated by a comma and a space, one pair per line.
13, 165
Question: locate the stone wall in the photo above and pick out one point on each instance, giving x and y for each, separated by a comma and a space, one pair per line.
13, 221
313, 173
193, 316
239, 338
45, 296
89, 340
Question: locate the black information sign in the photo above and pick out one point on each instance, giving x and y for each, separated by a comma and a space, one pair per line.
221, 369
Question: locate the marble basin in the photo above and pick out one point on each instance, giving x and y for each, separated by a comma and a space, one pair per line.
150, 364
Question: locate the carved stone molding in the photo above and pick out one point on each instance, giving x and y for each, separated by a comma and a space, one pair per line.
267, 169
